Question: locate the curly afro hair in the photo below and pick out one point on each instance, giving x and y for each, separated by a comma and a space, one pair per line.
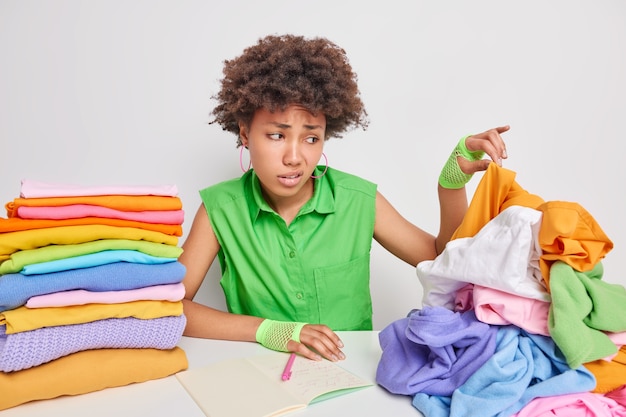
283, 70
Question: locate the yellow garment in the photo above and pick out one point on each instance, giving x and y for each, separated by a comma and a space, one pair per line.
23, 319
496, 191
32, 239
88, 371
570, 234
16, 224
609, 375
116, 202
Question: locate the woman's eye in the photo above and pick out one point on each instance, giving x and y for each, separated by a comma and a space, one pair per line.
275, 136
312, 139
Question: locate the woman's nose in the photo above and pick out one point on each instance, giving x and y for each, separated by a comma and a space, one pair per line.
292, 155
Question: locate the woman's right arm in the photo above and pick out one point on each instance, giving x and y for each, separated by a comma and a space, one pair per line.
199, 252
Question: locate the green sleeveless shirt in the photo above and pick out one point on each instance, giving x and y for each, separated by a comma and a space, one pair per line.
316, 270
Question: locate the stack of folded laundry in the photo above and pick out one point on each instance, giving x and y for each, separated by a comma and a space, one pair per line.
517, 319
90, 289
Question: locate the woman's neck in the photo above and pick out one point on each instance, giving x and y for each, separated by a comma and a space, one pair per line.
289, 207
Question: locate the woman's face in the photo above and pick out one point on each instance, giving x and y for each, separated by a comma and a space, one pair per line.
285, 148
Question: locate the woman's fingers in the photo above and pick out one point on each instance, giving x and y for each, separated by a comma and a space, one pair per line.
490, 142
316, 342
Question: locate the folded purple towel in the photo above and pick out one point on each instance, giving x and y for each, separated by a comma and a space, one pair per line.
28, 349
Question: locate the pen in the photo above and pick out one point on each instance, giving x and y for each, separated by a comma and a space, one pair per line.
287, 371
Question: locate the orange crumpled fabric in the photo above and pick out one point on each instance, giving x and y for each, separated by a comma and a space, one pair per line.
568, 232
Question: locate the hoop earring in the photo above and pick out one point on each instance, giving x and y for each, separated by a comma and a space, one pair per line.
241, 160
325, 169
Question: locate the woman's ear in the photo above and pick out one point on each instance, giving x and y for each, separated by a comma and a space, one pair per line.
243, 134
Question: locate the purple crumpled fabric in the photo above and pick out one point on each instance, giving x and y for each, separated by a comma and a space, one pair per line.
433, 351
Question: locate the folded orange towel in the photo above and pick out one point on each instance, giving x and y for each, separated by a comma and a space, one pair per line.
117, 202
88, 371
16, 224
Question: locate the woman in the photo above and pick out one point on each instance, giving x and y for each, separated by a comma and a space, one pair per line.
293, 239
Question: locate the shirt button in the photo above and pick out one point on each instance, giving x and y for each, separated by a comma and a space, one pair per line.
299, 296
292, 254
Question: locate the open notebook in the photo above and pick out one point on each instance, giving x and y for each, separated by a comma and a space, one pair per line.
252, 386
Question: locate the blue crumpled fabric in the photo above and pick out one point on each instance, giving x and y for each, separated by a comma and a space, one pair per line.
524, 366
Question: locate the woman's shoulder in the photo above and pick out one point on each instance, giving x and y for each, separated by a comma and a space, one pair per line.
223, 185
348, 181
222, 192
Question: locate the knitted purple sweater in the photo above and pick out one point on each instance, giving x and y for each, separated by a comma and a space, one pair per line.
28, 349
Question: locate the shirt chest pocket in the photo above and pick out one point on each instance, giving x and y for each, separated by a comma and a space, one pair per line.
343, 294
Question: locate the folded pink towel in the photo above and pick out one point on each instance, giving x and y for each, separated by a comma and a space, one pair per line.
77, 211
165, 292
39, 189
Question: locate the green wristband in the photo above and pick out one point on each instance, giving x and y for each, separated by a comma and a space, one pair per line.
276, 334
451, 175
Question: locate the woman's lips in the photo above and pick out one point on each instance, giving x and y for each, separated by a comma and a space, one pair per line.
290, 180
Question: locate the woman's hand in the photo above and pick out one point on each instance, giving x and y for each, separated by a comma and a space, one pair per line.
490, 142
317, 341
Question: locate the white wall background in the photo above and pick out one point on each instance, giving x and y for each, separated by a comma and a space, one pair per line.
118, 92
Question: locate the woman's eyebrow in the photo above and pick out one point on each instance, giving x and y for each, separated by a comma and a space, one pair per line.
288, 126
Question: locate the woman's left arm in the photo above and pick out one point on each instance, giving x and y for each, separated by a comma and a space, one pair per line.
412, 244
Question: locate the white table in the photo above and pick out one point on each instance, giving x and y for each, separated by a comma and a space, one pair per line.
166, 397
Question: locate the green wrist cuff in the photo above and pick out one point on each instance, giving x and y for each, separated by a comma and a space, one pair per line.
451, 175
276, 334
461, 150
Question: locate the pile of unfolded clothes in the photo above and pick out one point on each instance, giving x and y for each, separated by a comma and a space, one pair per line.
90, 289
516, 318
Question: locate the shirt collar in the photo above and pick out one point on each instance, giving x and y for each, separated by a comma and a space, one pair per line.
322, 201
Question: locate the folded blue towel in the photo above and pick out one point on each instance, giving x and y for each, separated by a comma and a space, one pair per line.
94, 259
16, 289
